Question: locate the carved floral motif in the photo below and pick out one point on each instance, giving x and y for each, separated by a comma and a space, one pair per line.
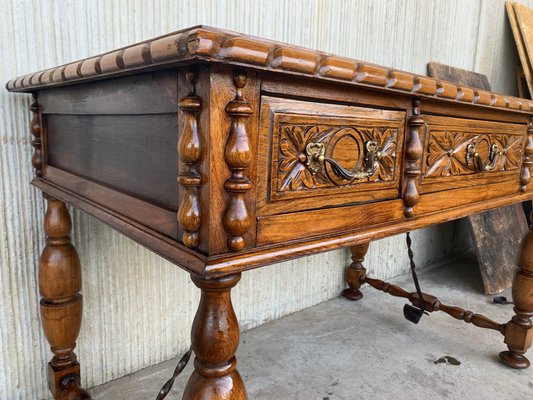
293, 174
511, 156
447, 152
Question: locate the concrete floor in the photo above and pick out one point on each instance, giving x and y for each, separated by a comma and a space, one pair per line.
367, 350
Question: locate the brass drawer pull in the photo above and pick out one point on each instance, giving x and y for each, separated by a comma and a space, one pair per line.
472, 154
316, 160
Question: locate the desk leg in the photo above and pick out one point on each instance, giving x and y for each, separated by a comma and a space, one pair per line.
61, 303
519, 331
355, 272
215, 338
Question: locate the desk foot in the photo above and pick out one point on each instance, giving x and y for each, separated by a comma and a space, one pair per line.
356, 272
215, 338
75, 392
514, 360
61, 303
519, 330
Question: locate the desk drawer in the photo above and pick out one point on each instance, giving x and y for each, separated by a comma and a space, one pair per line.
315, 155
462, 152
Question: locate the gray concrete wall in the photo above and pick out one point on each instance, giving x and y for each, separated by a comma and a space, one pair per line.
138, 308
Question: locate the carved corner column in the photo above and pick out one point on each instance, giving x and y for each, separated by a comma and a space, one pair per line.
525, 176
35, 130
413, 155
190, 154
238, 155
356, 272
215, 338
61, 303
519, 330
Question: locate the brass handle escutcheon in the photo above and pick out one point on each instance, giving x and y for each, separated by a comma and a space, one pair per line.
472, 154
316, 159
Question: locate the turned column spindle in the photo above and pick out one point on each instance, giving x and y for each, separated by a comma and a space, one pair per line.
356, 272
61, 303
413, 154
35, 130
238, 156
519, 330
215, 338
525, 175
190, 154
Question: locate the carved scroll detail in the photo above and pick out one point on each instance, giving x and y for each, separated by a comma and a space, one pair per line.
413, 154
190, 153
525, 176
238, 155
35, 129
294, 173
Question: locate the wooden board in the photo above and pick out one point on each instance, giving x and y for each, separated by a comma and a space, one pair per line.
519, 16
496, 234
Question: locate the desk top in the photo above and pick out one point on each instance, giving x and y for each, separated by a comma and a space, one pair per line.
203, 43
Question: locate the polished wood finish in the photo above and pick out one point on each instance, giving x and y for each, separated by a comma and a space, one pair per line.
431, 303
519, 331
215, 338
122, 146
496, 234
36, 132
217, 45
413, 155
190, 153
245, 152
238, 155
525, 176
288, 127
61, 303
142, 94
356, 272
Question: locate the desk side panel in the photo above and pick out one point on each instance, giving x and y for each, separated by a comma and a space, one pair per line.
135, 154
119, 139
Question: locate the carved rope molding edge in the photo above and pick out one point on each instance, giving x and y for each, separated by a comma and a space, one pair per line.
211, 44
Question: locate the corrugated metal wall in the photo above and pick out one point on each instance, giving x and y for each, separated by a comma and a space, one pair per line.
139, 308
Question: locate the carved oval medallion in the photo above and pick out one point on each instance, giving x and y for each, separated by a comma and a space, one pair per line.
347, 149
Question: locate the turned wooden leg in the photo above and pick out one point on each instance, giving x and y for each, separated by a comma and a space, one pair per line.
355, 272
215, 338
61, 303
519, 331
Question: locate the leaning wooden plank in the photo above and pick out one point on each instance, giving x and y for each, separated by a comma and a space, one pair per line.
521, 82
458, 75
519, 16
496, 234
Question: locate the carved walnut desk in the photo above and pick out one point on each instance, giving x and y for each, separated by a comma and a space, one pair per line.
223, 152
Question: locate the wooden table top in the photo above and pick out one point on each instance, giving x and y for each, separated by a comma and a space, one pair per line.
204, 43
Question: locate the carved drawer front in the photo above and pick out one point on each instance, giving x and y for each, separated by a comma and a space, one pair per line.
461, 152
315, 155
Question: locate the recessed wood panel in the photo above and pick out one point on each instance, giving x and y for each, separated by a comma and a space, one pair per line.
457, 150
135, 154
291, 179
